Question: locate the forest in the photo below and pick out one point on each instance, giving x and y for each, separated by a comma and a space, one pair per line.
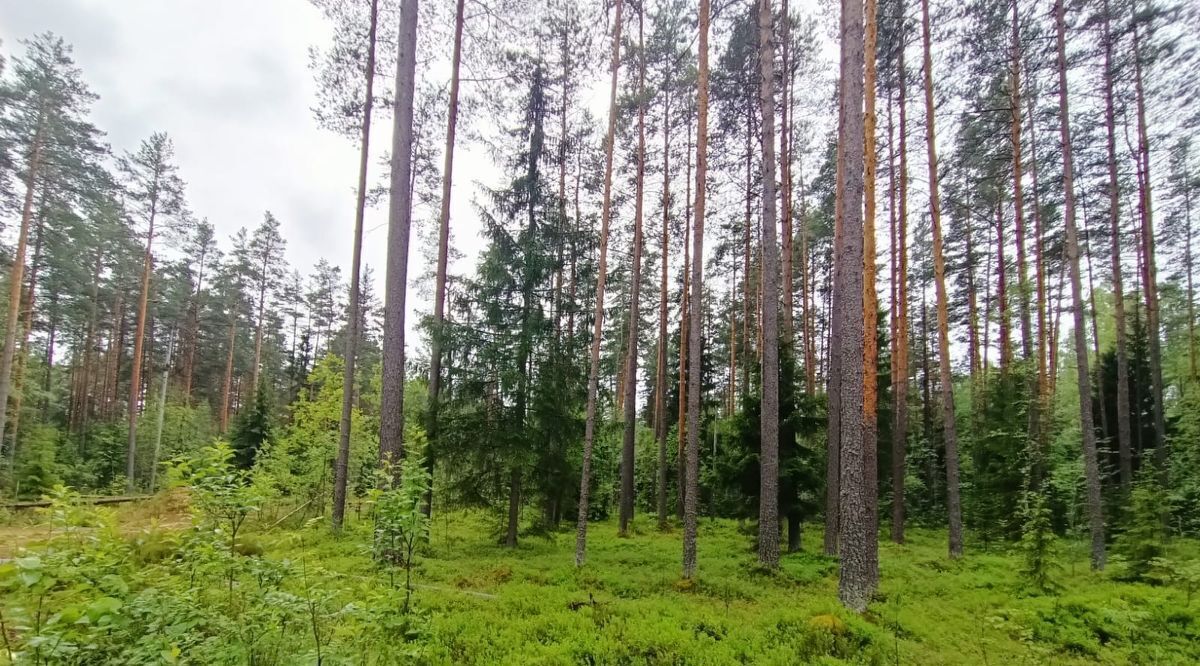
763, 332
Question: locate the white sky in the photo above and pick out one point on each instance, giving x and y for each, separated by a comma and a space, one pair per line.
229, 81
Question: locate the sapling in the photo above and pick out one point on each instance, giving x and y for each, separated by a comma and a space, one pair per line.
400, 523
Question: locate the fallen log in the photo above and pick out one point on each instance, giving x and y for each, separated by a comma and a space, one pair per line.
101, 499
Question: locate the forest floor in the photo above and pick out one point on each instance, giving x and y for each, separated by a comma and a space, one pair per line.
481, 603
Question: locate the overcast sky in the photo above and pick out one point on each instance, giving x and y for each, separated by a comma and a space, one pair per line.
229, 81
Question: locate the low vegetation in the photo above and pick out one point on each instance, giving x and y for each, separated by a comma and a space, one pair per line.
131, 585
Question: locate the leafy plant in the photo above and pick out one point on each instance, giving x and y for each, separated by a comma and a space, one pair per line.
400, 524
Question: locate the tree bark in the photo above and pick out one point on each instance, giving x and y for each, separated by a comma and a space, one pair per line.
768, 500
691, 499
856, 578
1149, 269
1041, 393
900, 361
684, 317
15, 283
341, 465
635, 293
391, 403
1090, 463
135, 375
787, 327
227, 384
870, 305
589, 432
1019, 190
953, 501
660, 381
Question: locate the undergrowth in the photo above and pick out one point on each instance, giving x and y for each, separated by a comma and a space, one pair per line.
93, 591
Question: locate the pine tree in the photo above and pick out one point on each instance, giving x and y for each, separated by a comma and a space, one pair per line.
155, 193
601, 278
391, 408
768, 502
1088, 432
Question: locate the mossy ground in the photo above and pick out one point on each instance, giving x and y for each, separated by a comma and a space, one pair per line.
481, 603
628, 605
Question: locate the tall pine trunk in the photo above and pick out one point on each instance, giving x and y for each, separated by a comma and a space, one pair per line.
660, 380
900, 360
870, 305
684, 318
1019, 191
1090, 463
135, 375
635, 293
953, 501
341, 466
768, 501
1149, 269
696, 313
15, 283
391, 402
856, 571
589, 432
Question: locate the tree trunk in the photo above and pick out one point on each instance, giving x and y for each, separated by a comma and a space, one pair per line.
227, 384
1002, 289
856, 578
768, 500
691, 499
598, 318
660, 380
15, 283
1149, 269
1041, 393
1090, 463
135, 375
870, 307
787, 327
900, 360
341, 465
953, 502
439, 298
635, 293
684, 318
833, 390
1019, 191
26, 327
391, 403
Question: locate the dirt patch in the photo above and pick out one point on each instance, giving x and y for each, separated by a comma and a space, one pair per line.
168, 510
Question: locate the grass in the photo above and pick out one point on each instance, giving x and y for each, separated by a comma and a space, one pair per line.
485, 604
